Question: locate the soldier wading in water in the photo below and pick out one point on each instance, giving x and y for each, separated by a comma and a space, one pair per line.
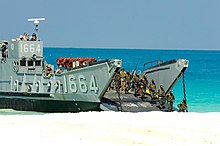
183, 106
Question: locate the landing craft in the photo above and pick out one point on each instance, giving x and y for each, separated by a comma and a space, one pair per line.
29, 83
162, 73
165, 73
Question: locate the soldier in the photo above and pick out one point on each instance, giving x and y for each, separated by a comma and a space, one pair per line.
49, 70
123, 78
117, 82
183, 106
144, 84
152, 88
26, 37
59, 70
34, 37
170, 100
136, 81
162, 97
145, 80
140, 86
128, 82
21, 38
4, 48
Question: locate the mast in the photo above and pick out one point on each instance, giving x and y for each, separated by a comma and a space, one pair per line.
36, 23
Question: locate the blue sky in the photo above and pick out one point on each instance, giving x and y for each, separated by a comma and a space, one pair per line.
178, 24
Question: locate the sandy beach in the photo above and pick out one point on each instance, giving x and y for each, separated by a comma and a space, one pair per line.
111, 128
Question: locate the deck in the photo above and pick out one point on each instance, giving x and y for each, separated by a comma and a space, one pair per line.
129, 103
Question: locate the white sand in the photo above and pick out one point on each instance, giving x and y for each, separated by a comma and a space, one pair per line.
111, 128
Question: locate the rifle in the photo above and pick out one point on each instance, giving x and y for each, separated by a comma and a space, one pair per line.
134, 71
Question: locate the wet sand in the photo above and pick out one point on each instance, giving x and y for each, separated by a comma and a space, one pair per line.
111, 128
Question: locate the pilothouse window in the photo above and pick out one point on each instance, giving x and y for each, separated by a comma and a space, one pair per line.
22, 62
30, 63
37, 63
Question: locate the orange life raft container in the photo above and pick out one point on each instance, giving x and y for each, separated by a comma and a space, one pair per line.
68, 62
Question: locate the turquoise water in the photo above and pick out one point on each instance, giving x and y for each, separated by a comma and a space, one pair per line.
202, 77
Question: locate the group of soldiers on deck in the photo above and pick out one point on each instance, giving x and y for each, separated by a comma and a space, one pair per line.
138, 85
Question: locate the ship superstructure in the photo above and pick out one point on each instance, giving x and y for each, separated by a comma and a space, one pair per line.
28, 82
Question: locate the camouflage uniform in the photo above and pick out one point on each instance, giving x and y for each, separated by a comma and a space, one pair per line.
162, 97
145, 84
152, 88
139, 87
117, 81
142, 85
170, 100
183, 106
128, 82
123, 78
135, 82
145, 81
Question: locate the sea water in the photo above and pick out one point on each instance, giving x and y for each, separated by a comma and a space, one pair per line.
202, 77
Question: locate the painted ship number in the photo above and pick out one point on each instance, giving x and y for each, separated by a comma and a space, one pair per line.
30, 48
82, 86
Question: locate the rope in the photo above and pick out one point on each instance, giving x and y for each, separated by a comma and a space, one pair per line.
184, 90
119, 97
184, 86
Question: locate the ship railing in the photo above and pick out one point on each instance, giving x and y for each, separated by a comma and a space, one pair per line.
153, 63
88, 64
157, 63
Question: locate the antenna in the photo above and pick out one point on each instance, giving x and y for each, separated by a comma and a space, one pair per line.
36, 23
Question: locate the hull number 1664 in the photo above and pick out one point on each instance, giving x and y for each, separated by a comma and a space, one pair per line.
80, 84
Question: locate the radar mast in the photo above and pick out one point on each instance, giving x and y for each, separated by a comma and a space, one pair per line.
36, 23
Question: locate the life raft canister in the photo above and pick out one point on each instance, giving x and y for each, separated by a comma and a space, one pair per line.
60, 61
68, 62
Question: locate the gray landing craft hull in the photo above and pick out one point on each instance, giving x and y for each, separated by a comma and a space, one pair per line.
72, 91
24, 84
167, 73
30, 104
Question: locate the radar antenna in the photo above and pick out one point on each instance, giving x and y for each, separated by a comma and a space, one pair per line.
36, 23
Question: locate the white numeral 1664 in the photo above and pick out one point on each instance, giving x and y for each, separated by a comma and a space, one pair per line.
82, 86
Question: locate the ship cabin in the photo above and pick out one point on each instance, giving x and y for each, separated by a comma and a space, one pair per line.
27, 56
